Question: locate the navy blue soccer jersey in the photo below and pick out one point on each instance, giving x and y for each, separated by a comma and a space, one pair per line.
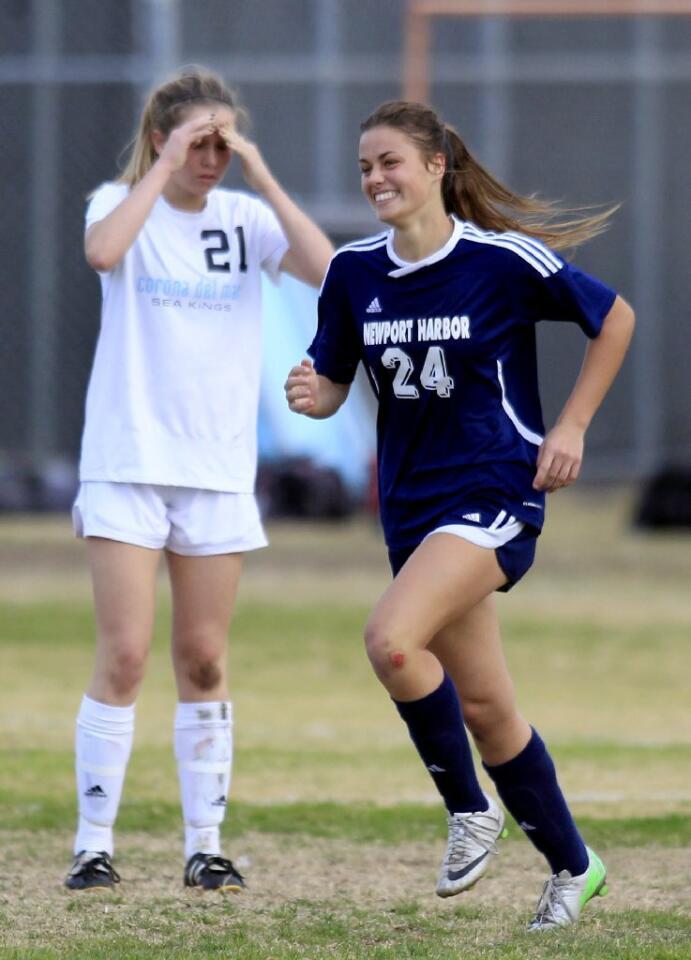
448, 345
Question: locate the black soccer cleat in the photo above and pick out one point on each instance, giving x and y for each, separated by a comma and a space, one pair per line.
92, 871
208, 871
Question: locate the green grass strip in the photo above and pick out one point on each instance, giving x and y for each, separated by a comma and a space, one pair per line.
361, 823
322, 931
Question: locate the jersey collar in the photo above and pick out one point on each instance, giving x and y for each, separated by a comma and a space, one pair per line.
404, 267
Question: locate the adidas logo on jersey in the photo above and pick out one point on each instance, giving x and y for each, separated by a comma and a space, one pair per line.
375, 306
473, 517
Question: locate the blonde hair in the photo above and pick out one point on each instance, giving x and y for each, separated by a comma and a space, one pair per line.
191, 86
472, 193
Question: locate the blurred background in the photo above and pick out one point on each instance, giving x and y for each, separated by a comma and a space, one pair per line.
583, 109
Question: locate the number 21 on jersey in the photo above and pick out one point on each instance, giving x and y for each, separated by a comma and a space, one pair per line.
216, 261
433, 375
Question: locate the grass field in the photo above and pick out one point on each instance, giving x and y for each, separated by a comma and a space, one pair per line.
332, 818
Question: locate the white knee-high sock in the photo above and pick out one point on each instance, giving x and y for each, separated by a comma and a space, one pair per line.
204, 752
102, 746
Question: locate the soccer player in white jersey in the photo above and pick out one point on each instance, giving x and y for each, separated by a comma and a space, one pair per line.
169, 446
441, 311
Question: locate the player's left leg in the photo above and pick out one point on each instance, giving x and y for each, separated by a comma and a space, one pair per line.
517, 760
564, 896
471, 652
204, 590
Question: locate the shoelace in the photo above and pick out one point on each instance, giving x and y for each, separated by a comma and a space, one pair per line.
550, 899
462, 834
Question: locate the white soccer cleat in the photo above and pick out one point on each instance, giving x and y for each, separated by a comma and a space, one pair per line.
564, 896
472, 840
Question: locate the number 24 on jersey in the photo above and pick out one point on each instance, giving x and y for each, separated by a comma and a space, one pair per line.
433, 375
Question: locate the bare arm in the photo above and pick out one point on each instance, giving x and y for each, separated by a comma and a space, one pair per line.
309, 249
312, 394
108, 240
561, 453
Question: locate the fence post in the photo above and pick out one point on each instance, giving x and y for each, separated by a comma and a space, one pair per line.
43, 224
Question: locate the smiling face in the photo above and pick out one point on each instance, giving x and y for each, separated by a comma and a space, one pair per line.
207, 159
397, 179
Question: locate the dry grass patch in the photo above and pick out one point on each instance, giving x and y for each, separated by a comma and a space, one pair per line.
303, 872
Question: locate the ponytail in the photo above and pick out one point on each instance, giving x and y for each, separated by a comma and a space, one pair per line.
472, 193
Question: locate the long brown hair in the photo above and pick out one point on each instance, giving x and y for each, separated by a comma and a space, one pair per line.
192, 86
472, 193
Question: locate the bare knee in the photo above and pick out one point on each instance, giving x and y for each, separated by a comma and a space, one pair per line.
204, 674
125, 670
387, 653
199, 664
201, 672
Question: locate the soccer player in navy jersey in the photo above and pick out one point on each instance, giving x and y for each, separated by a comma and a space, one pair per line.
441, 310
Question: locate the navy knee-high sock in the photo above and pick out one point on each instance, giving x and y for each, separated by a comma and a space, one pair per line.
528, 786
435, 724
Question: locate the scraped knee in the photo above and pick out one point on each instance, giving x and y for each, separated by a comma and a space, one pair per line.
397, 659
387, 650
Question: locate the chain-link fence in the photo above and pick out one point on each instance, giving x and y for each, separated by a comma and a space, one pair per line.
589, 111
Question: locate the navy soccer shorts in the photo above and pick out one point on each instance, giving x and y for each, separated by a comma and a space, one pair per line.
515, 557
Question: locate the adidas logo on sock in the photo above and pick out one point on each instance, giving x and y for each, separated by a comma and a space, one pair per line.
375, 306
220, 801
526, 826
96, 791
433, 768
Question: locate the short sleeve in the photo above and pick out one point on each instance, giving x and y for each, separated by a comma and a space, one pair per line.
335, 348
271, 239
573, 296
104, 201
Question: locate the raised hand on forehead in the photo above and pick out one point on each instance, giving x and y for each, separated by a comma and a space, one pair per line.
173, 149
255, 171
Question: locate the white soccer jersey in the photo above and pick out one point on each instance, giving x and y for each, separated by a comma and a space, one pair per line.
174, 388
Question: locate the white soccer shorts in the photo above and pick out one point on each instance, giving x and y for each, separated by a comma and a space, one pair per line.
190, 522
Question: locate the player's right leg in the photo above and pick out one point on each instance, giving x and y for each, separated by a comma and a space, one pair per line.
439, 584
469, 648
124, 582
